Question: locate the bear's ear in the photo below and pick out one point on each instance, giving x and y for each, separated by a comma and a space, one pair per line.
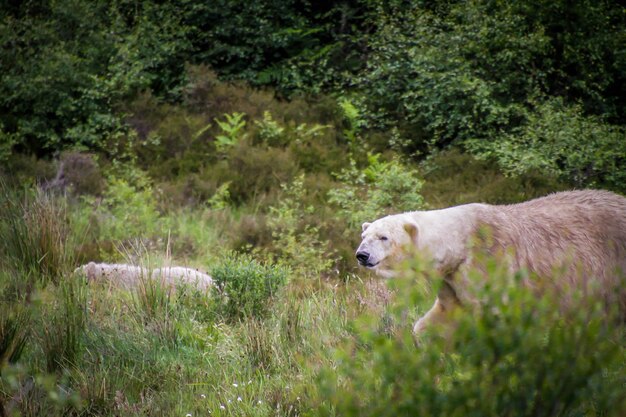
365, 226
411, 229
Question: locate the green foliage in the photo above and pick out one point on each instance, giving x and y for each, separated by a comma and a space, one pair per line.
7, 142
246, 286
584, 63
296, 240
296, 46
269, 130
521, 354
231, 131
445, 72
61, 79
128, 211
254, 173
220, 200
253, 153
239, 37
452, 178
561, 141
379, 189
355, 123
426, 71
170, 140
439, 72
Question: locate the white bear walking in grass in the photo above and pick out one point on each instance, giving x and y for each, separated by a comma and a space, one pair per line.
581, 232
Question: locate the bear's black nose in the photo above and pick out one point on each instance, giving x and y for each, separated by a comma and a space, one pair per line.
362, 257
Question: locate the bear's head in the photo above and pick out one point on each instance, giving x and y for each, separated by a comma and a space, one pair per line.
386, 242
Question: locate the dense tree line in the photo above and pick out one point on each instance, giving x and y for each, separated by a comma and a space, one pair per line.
471, 73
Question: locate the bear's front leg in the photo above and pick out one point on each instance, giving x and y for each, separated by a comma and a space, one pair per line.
440, 311
437, 314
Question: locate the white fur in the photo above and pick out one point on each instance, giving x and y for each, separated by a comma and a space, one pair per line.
582, 232
130, 276
441, 236
181, 275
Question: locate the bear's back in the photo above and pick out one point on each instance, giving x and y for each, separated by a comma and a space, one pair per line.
585, 229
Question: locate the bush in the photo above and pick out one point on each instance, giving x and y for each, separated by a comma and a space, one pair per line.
520, 355
427, 74
80, 172
62, 79
127, 211
170, 141
297, 242
246, 287
379, 189
446, 72
559, 140
254, 173
452, 178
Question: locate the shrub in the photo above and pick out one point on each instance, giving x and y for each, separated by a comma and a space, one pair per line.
520, 355
269, 131
425, 72
446, 72
128, 211
7, 142
29, 170
560, 140
378, 189
81, 172
254, 173
231, 131
79, 73
170, 141
452, 178
206, 95
296, 240
315, 148
246, 287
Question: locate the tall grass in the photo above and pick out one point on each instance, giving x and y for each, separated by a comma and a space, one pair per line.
35, 234
64, 326
14, 332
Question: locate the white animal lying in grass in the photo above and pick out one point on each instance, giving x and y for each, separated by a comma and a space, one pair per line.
581, 232
130, 276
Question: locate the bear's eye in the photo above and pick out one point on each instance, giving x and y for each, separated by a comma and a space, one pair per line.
383, 238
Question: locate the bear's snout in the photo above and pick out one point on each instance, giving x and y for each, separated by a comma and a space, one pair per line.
362, 257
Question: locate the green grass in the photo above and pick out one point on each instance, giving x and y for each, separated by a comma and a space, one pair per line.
81, 349
267, 341
97, 350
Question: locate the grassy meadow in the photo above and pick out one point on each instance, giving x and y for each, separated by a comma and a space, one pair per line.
250, 140
292, 327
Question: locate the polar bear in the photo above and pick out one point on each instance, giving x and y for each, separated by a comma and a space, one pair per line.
131, 276
583, 232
